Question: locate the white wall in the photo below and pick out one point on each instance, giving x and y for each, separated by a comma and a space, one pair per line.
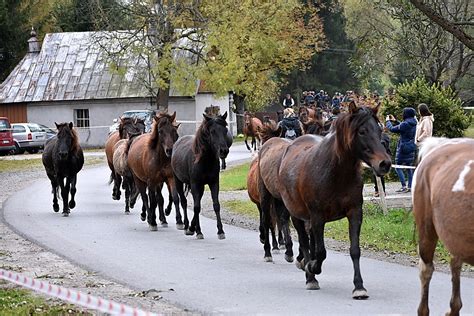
102, 113
204, 100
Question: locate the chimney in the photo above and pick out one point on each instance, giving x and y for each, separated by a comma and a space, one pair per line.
33, 43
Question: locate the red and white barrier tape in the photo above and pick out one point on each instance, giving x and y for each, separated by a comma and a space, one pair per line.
71, 296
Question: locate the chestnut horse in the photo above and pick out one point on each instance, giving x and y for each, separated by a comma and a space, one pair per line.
251, 125
332, 188
195, 163
127, 126
63, 158
305, 114
149, 159
443, 192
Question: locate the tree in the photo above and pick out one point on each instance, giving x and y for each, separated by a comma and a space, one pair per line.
330, 69
256, 40
450, 119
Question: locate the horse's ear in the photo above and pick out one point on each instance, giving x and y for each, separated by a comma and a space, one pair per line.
352, 107
207, 117
224, 116
376, 108
177, 125
173, 117
57, 125
155, 118
71, 125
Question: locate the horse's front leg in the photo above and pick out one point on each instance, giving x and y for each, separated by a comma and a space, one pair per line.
254, 144
141, 187
245, 141
197, 192
217, 208
173, 192
223, 165
54, 185
355, 222
161, 201
72, 202
455, 302
170, 196
64, 194
151, 211
184, 204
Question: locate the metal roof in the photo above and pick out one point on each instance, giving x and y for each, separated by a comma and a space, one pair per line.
70, 66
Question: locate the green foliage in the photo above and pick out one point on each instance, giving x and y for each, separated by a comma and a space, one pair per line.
470, 131
234, 178
21, 302
450, 119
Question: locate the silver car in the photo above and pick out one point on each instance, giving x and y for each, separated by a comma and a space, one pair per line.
28, 137
145, 115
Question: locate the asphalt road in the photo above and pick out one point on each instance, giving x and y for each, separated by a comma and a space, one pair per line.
211, 275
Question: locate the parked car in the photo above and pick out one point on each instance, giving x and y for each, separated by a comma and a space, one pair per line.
6, 138
146, 115
50, 133
29, 137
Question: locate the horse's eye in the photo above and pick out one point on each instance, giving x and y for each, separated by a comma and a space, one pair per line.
362, 131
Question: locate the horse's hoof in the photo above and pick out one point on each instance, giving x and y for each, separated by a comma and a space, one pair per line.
300, 264
165, 224
314, 285
360, 294
127, 212
180, 226
282, 246
268, 259
221, 236
168, 211
199, 236
262, 241
143, 218
276, 250
289, 259
72, 204
153, 228
65, 213
56, 208
188, 232
115, 197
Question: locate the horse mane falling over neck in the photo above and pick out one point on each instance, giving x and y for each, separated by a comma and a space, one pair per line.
201, 142
161, 120
346, 127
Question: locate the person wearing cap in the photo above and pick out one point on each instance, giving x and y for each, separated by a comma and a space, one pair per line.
406, 147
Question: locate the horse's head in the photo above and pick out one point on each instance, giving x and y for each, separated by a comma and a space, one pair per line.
303, 114
359, 133
216, 129
166, 132
131, 126
248, 118
67, 140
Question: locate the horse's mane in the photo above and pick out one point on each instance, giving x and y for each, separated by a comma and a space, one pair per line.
160, 120
315, 127
268, 131
346, 126
64, 128
429, 144
201, 139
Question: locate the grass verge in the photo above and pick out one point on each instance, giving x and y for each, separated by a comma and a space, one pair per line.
470, 131
21, 302
394, 233
31, 164
234, 178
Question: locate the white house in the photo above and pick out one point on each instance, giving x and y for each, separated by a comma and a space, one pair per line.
67, 79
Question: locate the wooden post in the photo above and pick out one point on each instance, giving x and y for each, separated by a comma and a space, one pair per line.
383, 202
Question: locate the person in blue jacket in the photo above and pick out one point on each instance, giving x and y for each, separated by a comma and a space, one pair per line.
406, 147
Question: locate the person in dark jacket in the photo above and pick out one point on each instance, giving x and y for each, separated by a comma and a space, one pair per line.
406, 147
290, 125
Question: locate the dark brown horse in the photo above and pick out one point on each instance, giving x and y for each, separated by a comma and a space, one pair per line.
63, 158
332, 188
127, 127
149, 160
443, 191
251, 125
195, 163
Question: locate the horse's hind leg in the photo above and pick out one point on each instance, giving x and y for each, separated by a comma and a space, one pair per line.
117, 183
318, 249
246, 144
311, 282
426, 247
355, 221
197, 191
65, 194
456, 302
170, 199
223, 165
217, 209
126, 187
284, 217
72, 202
161, 201
54, 185
141, 187
184, 204
266, 201
151, 210
274, 240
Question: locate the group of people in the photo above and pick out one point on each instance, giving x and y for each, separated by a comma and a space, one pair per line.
412, 130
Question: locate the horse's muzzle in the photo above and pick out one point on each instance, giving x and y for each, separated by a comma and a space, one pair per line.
63, 155
223, 153
383, 167
169, 152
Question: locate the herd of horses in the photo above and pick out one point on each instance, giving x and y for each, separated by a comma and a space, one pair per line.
282, 185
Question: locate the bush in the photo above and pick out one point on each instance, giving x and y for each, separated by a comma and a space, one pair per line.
450, 119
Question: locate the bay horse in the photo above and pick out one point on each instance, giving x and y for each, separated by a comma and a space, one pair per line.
269, 130
305, 114
127, 126
251, 124
195, 163
149, 160
63, 158
443, 194
332, 188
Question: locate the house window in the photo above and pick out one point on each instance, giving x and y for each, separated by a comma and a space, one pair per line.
82, 117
